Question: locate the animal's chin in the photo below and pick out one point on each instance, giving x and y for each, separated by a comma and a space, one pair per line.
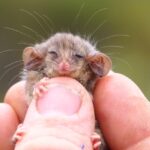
57, 73
64, 73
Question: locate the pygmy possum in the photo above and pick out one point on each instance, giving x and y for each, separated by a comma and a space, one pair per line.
64, 54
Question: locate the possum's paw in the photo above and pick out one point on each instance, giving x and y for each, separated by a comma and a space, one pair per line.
19, 133
40, 88
96, 141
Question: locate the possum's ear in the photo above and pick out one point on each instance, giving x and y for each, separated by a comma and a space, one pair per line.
99, 63
31, 57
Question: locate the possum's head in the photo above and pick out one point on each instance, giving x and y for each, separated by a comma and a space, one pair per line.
64, 54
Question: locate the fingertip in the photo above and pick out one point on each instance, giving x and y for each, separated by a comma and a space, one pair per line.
114, 86
16, 98
16, 91
9, 122
112, 91
117, 101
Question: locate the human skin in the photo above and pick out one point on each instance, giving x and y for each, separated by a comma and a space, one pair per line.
61, 114
121, 108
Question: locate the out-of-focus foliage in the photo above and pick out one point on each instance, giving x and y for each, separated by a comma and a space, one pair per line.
36, 18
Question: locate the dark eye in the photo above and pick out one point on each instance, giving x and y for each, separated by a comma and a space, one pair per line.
79, 56
53, 54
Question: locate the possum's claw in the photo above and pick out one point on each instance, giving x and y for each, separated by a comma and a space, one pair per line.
40, 88
19, 133
96, 140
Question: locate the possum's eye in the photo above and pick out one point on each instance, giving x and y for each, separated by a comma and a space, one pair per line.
53, 54
79, 56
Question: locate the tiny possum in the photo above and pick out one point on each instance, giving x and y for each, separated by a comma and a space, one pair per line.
64, 54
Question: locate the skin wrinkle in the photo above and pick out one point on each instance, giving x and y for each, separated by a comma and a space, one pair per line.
107, 114
54, 136
59, 136
78, 126
137, 146
128, 112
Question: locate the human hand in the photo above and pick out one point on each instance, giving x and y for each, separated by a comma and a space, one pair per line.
121, 109
61, 111
63, 114
123, 113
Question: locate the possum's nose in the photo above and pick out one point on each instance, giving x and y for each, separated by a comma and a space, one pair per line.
64, 66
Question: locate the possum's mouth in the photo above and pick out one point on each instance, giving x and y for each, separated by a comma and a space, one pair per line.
60, 98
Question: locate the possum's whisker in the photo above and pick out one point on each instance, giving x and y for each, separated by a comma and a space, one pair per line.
49, 20
8, 50
14, 66
123, 61
112, 46
113, 36
20, 32
35, 18
44, 20
33, 31
112, 53
93, 15
13, 63
78, 14
92, 34
25, 43
8, 70
13, 79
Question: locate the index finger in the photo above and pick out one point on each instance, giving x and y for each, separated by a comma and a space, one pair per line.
122, 110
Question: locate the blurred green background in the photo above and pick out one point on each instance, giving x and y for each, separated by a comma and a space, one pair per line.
130, 52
